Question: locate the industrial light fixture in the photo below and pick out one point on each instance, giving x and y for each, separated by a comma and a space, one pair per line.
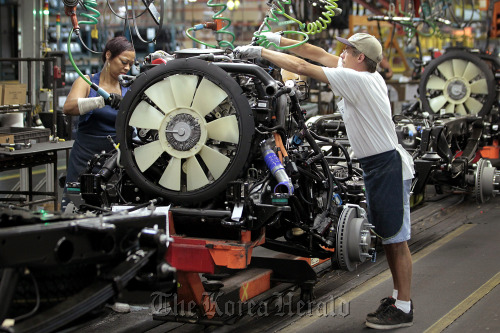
231, 5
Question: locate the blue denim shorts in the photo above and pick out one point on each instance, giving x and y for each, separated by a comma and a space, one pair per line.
405, 233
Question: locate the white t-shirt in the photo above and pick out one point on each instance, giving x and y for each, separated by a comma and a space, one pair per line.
367, 114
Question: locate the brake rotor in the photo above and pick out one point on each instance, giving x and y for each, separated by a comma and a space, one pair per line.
487, 181
354, 240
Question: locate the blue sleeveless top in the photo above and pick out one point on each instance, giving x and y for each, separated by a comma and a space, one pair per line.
91, 135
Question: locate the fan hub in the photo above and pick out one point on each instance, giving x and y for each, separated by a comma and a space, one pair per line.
183, 132
457, 89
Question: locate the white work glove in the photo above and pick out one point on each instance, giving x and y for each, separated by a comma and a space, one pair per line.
269, 38
247, 52
85, 105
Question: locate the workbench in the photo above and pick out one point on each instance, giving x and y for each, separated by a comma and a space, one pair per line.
24, 160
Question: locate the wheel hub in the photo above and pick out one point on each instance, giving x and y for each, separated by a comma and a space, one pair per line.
486, 181
183, 132
457, 90
354, 240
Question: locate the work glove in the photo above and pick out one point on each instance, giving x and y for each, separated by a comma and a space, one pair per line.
269, 39
113, 101
247, 52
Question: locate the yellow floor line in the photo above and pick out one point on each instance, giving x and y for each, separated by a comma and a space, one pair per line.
35, 172
465, 305
374, 281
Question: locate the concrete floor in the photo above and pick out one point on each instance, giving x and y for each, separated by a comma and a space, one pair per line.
454, 288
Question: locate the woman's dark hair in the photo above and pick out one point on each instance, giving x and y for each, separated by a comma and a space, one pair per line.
116, 46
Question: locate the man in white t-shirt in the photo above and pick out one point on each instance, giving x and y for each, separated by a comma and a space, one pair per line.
387, 167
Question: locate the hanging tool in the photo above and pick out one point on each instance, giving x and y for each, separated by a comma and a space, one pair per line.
220, 24
70, 10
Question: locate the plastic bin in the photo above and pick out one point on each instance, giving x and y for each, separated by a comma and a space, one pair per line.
26, 134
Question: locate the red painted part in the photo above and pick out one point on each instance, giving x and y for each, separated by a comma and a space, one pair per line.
57, 72
190, 255
159, 61
220, 24
255, 286
491, 152
476, 158
202, 255
416, 5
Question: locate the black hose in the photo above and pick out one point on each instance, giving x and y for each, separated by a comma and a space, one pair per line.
268, 82
316, 148
348, 161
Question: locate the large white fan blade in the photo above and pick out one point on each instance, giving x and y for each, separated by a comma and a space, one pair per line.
161, 94
460, 109
446, 68
224, 129
450, 108
208, 96
146, 116
437, 103
171, 177
146, 155
479, 87
473, 105
183, 88
215, 161
195, 176
459, 67
471, 71
436, 83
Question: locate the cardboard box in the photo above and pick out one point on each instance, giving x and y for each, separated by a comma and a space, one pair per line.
2, 84
14, 94
6, 138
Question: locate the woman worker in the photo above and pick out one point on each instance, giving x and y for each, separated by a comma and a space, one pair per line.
96, 115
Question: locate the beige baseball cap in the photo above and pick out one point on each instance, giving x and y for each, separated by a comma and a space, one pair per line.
366, 44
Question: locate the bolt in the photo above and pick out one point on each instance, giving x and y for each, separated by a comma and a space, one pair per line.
165, 268
163, 238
